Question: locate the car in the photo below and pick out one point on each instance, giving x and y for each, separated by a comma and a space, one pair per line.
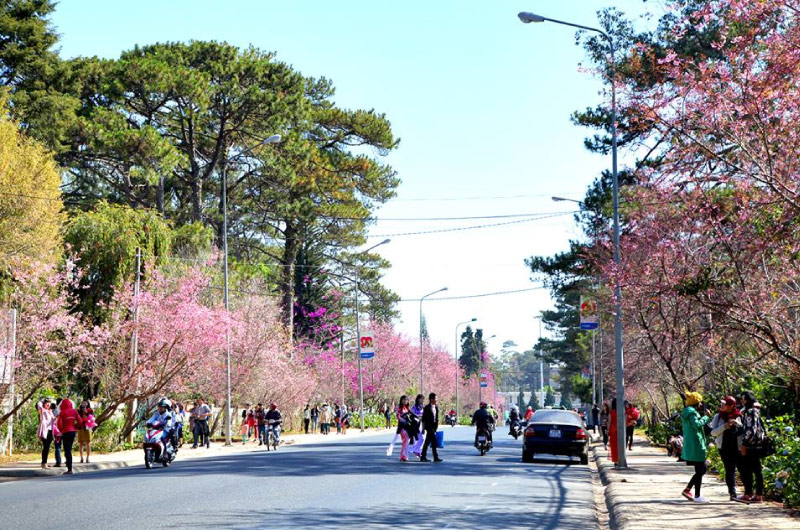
556, 432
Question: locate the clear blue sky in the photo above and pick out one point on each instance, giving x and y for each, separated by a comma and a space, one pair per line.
480, 101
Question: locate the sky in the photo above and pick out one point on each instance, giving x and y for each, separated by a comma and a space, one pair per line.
480, 102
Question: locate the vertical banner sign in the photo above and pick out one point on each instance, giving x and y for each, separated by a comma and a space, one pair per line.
589, 313
484, 379
366, 345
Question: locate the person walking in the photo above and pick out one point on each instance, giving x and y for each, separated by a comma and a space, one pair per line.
415, 425
306, 417
68, 422
314, 418
45, 430
430, 423
325, 419
179, 417
403, 424
595, 417
753, 436
694, 444
604, 418
631, 417
200, 413
85, 429
252, 423
337, 417
260, 422
387, 414
725, 428
612, 432
345, 419
57, 433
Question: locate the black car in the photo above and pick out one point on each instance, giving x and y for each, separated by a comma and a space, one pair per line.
556, 432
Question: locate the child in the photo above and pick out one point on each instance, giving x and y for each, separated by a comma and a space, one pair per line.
87, 425
243, 430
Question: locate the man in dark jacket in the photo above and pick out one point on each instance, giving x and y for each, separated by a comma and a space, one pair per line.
430, 423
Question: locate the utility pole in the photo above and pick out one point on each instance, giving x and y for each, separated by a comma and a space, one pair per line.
135, 337
594, 379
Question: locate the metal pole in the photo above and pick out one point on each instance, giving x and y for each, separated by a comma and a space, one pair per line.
594, 379
600, 359
341, 347
358, 351
541, 363
620, 364
227, 309
12, 387
135, 336
421, 345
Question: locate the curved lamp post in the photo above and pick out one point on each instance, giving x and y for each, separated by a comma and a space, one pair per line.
620, 375
421, 342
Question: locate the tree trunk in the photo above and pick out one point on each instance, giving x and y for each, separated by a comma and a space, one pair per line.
160, 195
197, 197
290, 250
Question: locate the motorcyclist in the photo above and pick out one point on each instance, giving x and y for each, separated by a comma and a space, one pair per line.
163, 418
484, 420
513, 418
274, 421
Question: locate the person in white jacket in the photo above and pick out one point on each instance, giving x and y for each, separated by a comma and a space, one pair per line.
163, 416
726, 428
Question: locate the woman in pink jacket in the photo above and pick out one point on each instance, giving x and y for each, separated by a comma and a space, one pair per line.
68, 422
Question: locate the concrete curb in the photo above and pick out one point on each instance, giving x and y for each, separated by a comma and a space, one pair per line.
608, 493
32, 470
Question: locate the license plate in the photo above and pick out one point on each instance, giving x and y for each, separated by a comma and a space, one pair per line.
481, 438
555, 433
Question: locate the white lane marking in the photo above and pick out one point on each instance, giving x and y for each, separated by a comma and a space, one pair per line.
494, 483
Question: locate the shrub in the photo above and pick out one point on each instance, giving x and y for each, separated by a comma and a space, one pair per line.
782, 470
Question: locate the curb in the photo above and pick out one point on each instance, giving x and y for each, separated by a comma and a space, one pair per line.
603, 469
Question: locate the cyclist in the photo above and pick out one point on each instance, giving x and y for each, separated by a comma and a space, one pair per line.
274, 420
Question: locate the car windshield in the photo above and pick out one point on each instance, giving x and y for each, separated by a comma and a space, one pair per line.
556, 416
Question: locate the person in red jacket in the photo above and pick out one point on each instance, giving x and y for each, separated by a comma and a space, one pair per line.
631, 417
68, 423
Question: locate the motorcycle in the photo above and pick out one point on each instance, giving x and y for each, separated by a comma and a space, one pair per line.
273, 435
515, 429
155, 450
450, 419
483, 441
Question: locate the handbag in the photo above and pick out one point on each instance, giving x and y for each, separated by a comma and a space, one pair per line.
765, 448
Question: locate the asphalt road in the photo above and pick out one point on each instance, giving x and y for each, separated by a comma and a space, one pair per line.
345, 483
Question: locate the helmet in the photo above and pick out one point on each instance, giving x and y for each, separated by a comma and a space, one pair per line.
530, 408
483, 404
164, 402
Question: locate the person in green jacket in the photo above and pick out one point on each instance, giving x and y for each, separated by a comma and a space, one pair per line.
694, 444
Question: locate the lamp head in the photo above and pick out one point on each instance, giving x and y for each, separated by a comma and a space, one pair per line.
474, 320
274, 139
386, 241
527, 18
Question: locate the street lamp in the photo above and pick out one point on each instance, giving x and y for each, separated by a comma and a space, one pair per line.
457, 375
274, 139
480, 372
421, 364
620, 376
358, 339
564, 199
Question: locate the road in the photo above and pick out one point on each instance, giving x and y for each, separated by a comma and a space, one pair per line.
344, 483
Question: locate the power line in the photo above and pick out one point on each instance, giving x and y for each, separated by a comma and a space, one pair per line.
474, 227
496, 293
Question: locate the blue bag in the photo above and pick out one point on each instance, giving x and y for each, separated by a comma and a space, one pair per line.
440, 439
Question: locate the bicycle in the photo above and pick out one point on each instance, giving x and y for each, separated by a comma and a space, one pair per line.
273, 437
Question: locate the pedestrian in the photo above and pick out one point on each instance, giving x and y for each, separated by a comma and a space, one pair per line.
179, 417
604, 419
753, 436
612, 432
244, 413
243, 430
403, 422
528, 414
430, 423
415, 425
337, 417
307, 417
314, 418
725, 428
325, 419
68, 422
85, 429
387, 414
200, 413
45, 430
595, 417
694, 443
260, 421
631, 417
253, 428
345, 419
56, 433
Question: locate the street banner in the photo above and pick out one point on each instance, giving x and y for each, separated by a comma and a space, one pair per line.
366, 345
589, 313
484, 379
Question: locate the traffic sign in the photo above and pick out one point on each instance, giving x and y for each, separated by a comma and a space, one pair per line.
589, 313
366, 345
484, 379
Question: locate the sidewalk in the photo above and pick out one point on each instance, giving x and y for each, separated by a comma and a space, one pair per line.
648, 495
134, 457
